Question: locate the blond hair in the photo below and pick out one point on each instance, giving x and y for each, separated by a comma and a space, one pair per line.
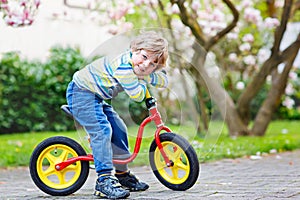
154, 43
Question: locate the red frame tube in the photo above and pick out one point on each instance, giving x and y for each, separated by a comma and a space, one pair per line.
64, 164
137, 145
154, 116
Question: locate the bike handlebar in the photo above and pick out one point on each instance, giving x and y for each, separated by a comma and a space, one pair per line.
150, 101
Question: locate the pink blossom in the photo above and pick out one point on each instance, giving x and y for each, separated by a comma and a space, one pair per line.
118, 13
215, 2
252, 15
233, 57
23, 3
232, 36
204, 15
245, 47
240, 85
152, 15
246, 3
279, 3
249, 60
207, 30
175, 9
217, 25
271, 22
153, 2
289, 89
263, 55
19, 13
113, 30
195, 5
138, 2
218, 15
121, 13
4, 6
248, 38
177, 24
37, 3
288, 102
210, 30
203, 23
126, 26
293, 76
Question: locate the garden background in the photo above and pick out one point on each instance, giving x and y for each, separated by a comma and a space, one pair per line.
37, 62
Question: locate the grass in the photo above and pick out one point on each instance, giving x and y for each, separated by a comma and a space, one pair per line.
15, 149
280, 136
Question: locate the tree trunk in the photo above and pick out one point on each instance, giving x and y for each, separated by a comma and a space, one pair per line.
189, 100
279, 82
225, 104
219, 95
203, 112
243, 103
271, 8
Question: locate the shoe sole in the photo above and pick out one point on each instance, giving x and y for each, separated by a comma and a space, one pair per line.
135, 189
104, 196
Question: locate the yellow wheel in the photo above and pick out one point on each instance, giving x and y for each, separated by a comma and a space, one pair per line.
51, 152
185, 166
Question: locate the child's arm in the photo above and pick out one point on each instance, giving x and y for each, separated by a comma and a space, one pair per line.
130, 83
134, 86
157, 79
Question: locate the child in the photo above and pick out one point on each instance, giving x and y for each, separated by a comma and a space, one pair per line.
102, 80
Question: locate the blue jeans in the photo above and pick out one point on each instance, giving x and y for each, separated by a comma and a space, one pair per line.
108, 132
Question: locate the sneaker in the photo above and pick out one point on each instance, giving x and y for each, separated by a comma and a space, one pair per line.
110, 188
130, 181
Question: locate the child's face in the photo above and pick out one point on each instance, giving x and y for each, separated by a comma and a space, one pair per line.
143, 63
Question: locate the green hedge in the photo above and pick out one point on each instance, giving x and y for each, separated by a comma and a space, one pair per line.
31, 92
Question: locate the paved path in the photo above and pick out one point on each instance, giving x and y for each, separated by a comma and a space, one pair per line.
271, 177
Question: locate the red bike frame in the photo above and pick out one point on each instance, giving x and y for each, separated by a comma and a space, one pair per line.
155, 117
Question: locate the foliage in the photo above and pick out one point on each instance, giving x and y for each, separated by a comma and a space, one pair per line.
32, 92
19, 110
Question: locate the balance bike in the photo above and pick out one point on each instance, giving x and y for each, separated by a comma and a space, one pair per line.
59, 166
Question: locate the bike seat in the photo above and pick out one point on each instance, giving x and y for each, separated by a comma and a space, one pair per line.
67, 110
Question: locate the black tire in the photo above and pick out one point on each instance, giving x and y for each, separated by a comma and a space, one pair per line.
44, 156
185, 162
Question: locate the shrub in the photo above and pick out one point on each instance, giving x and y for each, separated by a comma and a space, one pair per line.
31, 92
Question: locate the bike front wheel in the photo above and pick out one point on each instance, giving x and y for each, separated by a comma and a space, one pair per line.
51, 152
184, 171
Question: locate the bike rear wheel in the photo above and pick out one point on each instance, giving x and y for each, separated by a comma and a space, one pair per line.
51, 152
184, 171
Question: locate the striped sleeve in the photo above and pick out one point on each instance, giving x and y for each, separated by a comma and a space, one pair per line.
157, 79
129, 81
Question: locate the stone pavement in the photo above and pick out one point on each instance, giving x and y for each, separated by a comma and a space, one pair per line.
275, 176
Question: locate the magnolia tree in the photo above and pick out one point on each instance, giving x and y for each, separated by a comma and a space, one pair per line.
19, 12
253, 47
244, 39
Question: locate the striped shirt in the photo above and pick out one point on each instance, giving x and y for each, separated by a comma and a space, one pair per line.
102, 75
